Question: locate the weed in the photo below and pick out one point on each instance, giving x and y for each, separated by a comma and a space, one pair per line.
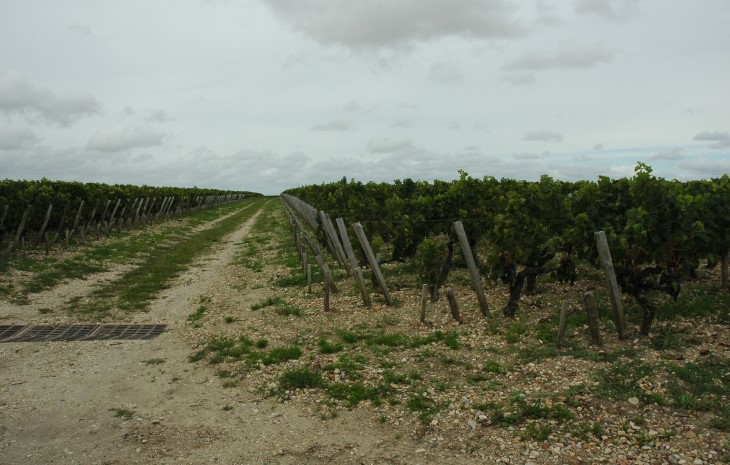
300, 379
122, 413
537, 433
267, 302
194, 318
493, 366
391, 377
229, 320
353, 394
289, 310
154, 361
326, 347
227, 408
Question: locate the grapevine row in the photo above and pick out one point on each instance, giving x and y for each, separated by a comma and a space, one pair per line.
659, 230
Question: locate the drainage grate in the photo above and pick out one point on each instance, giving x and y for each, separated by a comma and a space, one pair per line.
18, 333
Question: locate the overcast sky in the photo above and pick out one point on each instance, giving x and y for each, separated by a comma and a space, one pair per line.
264, 95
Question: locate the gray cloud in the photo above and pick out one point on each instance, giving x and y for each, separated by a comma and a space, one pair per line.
520, 79
364, 25
81, 29
20, 96
569, 57
446, 72
338, 125
403, 124
722, 139
15, 139
543, 136
612, 9
159, 116
355, 106
675, 154
705, 167
122, 138
598, 147
390, 145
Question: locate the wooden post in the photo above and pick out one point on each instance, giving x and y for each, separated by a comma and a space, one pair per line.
2, 218
424, 302
42, 233
21, 227
326, 270
339, 252
476, 282
563, 326
373, 262
327, 286
613, 290
453, 305
304, 260
309, 278
590, 304
76, 221
346, 243
361, 285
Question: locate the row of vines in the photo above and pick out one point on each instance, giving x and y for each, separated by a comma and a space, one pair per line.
30, 211
660, 231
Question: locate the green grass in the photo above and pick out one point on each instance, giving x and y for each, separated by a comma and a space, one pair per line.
300, 379
267, 302
220, 349
194, 318
136, 289
124, 414
327, 347
154, 361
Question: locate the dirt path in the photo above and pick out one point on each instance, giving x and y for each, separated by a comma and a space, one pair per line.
60, 401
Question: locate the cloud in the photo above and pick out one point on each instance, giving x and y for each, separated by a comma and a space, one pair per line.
390, 145
159, 116
80, 29
525, 156
20, 96
570, 57
598, 147
611, 9
675, 154
704, 167
123, 138
543, 136
15, 139
377, 24
355, 106
446, 73
403, 124
338, 125
520, 79
722, 139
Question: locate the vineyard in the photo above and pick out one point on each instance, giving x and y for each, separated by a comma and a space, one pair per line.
34, 213
463, 322
660, 232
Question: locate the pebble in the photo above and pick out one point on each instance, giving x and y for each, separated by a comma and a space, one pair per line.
472, 424
633, 401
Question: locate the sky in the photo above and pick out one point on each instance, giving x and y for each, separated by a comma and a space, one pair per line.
265, 95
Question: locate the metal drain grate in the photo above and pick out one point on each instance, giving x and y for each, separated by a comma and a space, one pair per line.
18, 333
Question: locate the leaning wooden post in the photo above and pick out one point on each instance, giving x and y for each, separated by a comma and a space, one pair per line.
424, 302
42, 233
76, 221
373, 262
19, 233
476, 282
590, 304
361, 285
346, 243
335, 240
613, 290
563, 326
453, 305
